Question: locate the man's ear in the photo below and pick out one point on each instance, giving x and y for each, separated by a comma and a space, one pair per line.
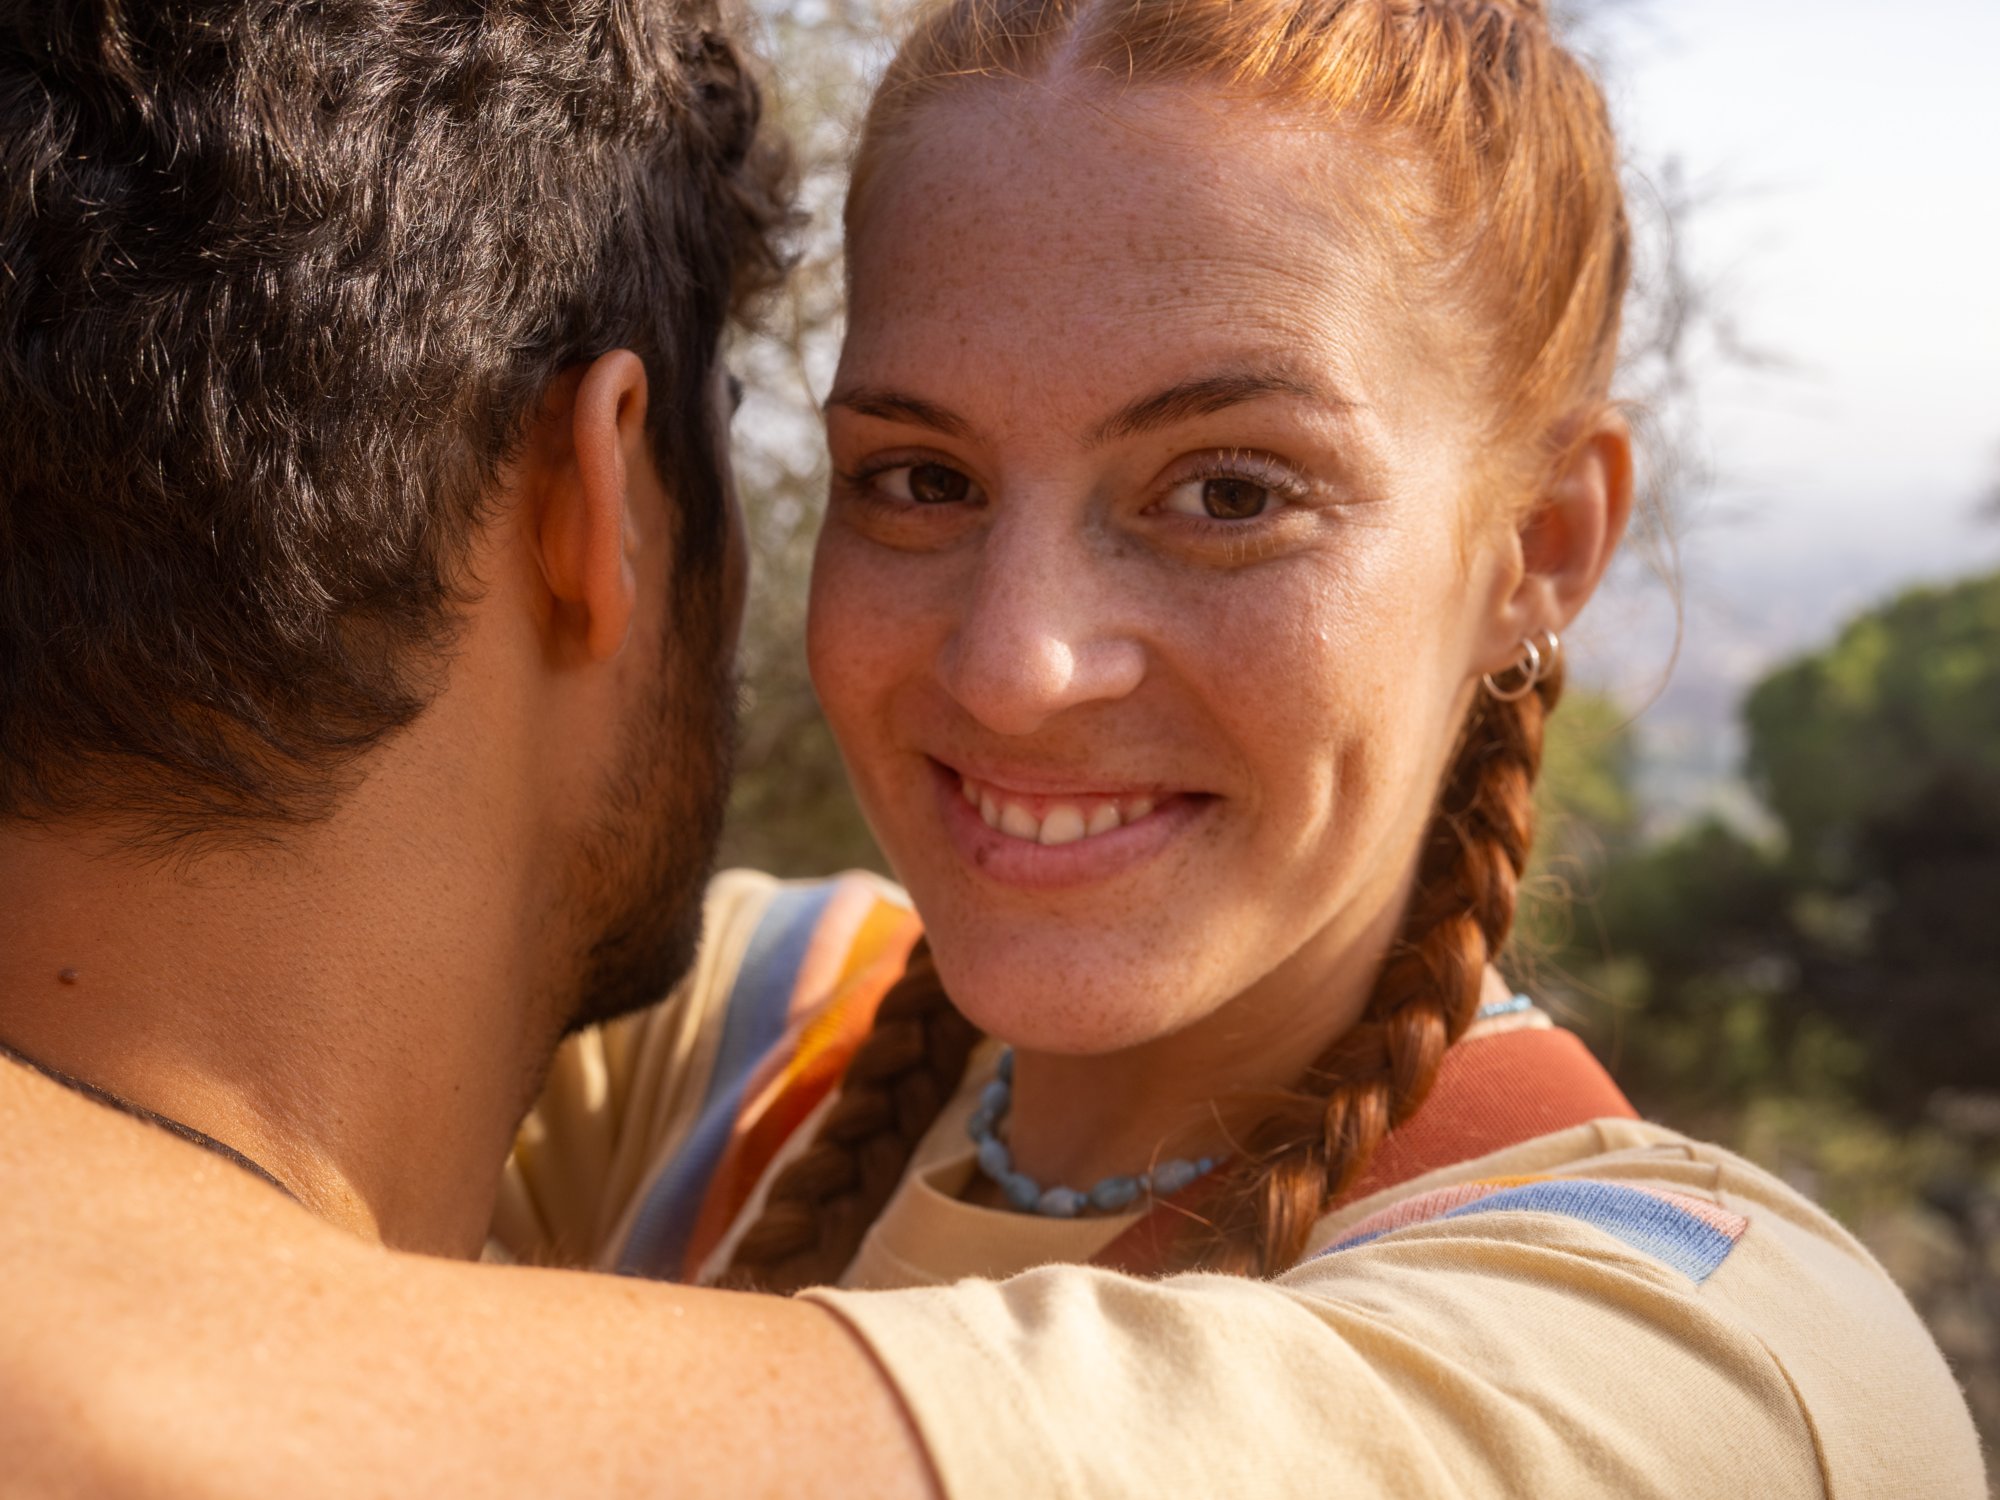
1567, 540
587, 532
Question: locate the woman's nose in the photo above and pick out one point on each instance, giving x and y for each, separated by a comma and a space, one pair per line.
1042, 629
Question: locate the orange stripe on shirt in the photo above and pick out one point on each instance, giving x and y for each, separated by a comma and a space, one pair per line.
808, 1062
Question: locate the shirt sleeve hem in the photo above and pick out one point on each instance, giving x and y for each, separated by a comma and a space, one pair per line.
925, 1347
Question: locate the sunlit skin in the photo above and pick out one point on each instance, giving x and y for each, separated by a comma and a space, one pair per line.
1158, 487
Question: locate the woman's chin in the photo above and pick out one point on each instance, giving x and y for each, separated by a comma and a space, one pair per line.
1097, 1008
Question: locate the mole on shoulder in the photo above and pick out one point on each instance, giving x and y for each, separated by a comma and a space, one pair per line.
67, 976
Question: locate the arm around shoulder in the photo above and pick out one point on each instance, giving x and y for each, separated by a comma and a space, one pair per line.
175, 1327
372, 1373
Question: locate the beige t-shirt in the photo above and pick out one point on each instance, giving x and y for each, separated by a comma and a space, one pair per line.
1554, 1348
1610, 1310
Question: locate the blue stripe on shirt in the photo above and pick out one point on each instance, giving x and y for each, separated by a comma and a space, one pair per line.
759, 1007
1649, 1224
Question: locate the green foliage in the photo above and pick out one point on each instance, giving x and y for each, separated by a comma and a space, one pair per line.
1587, 765
1862, 960
1678, 980
1696, 901
1584, 808
1857, 735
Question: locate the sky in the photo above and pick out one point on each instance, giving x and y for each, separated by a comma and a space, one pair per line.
1854, 227
1845, 155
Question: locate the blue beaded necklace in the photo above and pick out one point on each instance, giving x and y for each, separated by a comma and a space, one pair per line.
1113, 1193
1029, 1196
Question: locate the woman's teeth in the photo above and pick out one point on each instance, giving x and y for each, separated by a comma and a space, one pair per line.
1063, 823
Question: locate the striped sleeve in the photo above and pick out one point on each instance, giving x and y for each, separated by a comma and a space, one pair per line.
652, 1131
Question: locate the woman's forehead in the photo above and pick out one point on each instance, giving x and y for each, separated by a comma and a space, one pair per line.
1018, 232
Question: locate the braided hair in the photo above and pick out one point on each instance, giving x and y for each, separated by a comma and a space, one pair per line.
896, 1084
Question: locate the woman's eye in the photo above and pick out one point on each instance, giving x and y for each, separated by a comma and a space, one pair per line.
926, 484
1220, 498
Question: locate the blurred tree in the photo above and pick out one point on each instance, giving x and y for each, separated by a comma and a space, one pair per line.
1682, 969
1869, 935
1903, 708
1588, 761
791, 812
1922, 988
1586, 813
1881, 757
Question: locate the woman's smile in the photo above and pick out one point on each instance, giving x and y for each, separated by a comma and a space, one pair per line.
1031, 832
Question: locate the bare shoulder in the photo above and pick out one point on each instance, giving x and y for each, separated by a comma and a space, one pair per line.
176, 1326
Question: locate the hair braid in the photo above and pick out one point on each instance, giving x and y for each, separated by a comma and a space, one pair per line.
1318, 1140
897, 1083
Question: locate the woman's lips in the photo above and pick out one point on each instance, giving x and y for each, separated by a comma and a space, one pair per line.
1062, 818
1053, 839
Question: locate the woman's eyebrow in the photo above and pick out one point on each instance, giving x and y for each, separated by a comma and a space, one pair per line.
1199, 397
1204, 395
894, 406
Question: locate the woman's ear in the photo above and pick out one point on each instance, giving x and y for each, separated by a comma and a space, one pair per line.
587, 534
1567, 540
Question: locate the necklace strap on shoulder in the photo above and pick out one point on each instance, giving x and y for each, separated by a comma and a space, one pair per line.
125, 1106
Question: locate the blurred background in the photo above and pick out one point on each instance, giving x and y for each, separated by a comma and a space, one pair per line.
1768, 891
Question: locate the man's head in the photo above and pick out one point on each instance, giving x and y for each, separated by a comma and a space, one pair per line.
290, 294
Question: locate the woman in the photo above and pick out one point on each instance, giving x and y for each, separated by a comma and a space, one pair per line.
1222, 446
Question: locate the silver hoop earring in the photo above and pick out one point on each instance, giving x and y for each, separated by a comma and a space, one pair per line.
1529, 667
1551, 656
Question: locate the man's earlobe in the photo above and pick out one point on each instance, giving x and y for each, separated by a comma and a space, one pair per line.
588, 532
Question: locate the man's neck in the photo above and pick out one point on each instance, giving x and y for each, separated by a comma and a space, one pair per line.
347, 1010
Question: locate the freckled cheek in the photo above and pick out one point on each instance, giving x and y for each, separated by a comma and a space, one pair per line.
867, 637
1396, 705
843, 651
1319, 696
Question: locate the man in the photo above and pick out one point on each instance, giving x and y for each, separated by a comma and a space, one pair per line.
368, 583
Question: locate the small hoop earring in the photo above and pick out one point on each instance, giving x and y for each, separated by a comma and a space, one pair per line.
1551, 656
1530, 669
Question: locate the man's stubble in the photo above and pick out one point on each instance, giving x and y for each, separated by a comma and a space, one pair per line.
641, 870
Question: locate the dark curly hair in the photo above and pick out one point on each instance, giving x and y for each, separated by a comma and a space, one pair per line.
280, 285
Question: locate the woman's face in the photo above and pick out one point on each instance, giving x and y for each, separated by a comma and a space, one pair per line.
1152, 585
